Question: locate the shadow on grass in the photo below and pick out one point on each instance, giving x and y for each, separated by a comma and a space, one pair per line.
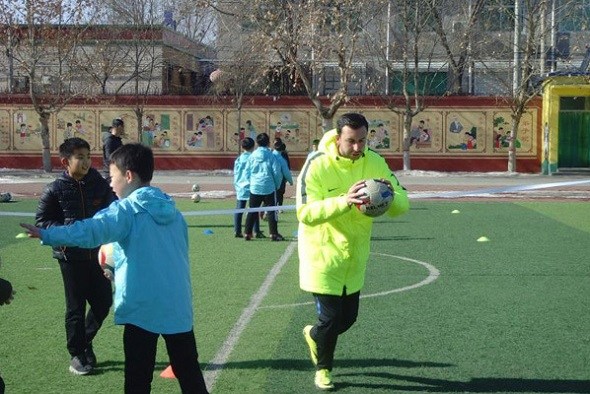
304, 365
109, 365
475, 385
210, 226
401, 238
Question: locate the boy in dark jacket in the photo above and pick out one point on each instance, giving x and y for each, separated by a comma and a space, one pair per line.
78, 194
6, 295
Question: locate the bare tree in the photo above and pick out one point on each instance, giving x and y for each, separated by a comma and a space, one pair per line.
406, 55
456, 39
311, 40
44, 38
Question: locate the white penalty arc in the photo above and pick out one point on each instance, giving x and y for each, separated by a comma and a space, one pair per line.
433, 274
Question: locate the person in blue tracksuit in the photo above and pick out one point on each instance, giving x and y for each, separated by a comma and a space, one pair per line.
264, 176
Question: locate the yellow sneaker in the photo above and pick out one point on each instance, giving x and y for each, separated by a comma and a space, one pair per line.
323, 380
313, 347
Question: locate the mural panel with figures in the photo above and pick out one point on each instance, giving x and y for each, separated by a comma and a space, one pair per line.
27, 131
501, 132
292, 127
466, 131
161, 130
77, 123
383, 131
426, 133
5, 130
203, 130
252, 124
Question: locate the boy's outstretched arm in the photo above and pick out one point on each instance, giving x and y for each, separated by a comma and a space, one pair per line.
32, 231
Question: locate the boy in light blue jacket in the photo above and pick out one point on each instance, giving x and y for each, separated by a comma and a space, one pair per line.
153, 293
242, 187
264, 175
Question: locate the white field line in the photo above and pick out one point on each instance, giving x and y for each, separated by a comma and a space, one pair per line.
217, 364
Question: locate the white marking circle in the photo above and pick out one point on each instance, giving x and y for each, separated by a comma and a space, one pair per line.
433, 274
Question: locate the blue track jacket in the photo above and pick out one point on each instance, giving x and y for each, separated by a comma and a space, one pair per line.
152, 274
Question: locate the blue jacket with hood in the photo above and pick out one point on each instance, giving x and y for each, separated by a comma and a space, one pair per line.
152, 274
263, 171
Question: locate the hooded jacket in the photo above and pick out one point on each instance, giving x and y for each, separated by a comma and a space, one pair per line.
241, 183
263, 172
152, 274
333, 238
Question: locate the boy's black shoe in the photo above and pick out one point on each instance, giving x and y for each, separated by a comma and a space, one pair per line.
248, 237
79, 365
276, 237
239, 235
260, 234
90, 356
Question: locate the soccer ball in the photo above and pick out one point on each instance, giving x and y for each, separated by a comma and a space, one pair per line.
377, 198
196, 197
5, 197
196, 187
106, 261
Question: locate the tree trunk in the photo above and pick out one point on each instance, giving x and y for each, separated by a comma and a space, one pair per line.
512, 142
46, 156
327, 124
406, 142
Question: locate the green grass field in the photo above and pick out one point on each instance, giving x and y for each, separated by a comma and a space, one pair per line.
445, 314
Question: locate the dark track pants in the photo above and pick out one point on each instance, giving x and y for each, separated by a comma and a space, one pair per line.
336, 314
256, 201
84, 282
140, 358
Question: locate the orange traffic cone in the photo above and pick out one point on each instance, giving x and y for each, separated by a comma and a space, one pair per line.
168, 373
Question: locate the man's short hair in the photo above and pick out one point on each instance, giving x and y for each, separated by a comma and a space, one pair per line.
118, 122
279, 145
352, 120
136, 158
247, 143
262, 139
66, 149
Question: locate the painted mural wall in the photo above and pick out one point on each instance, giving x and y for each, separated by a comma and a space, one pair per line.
191, 132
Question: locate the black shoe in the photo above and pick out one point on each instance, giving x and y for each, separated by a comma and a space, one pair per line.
260, 234
276, 237
239, 235
79, 365
248, 237
90, 356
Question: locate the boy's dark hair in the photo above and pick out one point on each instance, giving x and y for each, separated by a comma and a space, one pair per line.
136, 158
262, 139
66, 149
247, 143
352, 120
315, 142
118, 122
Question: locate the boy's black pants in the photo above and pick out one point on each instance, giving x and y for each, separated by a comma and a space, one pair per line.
84, 282
140, 357
256, 201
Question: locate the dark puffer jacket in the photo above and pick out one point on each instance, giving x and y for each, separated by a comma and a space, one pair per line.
67, 200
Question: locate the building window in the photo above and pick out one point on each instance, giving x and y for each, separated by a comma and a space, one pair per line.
429, 83
331, 80
498, 16
577, 17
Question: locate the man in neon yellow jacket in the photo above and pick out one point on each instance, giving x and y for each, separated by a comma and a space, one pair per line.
334, 236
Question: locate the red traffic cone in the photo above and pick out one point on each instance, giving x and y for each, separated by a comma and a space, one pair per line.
168, 373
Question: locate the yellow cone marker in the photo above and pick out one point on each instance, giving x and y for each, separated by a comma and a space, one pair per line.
455, 211
483, 239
